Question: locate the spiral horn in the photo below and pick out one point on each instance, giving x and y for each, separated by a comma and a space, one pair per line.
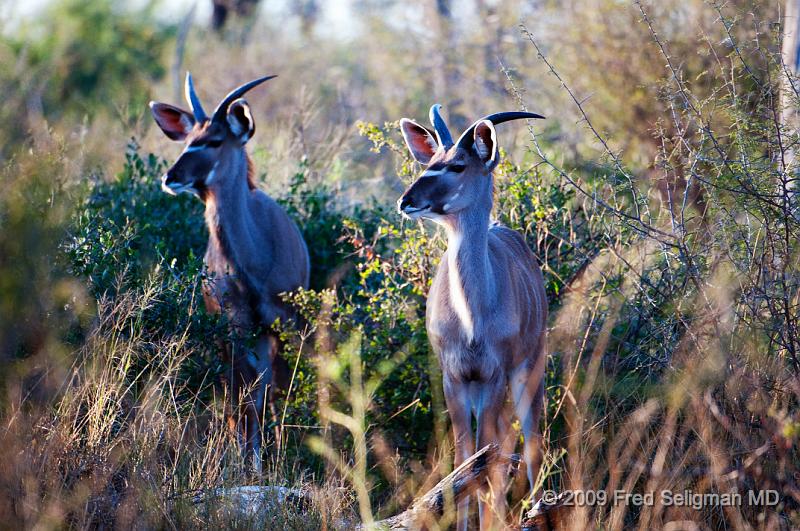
465, 140
194, 102
235, 94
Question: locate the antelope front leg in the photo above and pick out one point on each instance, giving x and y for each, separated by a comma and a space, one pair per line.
489, 411
458, 406
527, 389
260, 362
267, 350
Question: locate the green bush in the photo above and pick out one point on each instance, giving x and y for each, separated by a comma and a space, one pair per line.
129, 238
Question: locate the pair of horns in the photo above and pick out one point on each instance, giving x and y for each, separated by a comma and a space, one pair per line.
197, 108
465, 140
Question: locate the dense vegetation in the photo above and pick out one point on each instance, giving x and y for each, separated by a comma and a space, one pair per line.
665, 224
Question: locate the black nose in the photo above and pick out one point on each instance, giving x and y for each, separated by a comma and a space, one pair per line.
403, 203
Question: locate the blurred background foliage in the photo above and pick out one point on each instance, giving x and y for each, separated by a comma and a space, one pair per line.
654, 198
76, 59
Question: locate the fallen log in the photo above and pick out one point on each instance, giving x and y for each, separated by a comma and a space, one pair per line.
464, 480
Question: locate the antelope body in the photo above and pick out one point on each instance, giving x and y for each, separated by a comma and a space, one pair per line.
486, 309
255, 252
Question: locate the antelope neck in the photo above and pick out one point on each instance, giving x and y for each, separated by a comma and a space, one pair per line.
469, 270
227, 213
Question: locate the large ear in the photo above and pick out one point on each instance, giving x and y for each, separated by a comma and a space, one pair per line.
175, 122
420, 140
240, 120
486, 144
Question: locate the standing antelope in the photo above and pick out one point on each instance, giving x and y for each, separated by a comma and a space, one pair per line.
486, 309
254, 250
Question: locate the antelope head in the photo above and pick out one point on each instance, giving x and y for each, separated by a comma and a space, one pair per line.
207, 139
457, 174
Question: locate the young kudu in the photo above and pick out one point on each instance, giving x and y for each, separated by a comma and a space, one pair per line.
486, 309
254, 250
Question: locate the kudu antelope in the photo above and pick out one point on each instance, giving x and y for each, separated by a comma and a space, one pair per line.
486, 308
254, 250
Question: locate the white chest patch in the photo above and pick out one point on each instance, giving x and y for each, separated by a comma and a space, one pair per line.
459, 300
458, 297
212, 173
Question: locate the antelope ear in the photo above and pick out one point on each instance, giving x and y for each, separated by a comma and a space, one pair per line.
175, 122
486, 144
241, 121
420, 140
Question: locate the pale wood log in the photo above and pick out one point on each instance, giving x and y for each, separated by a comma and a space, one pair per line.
445, 495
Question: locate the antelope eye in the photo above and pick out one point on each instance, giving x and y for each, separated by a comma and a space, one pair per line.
214, 143
457, 168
